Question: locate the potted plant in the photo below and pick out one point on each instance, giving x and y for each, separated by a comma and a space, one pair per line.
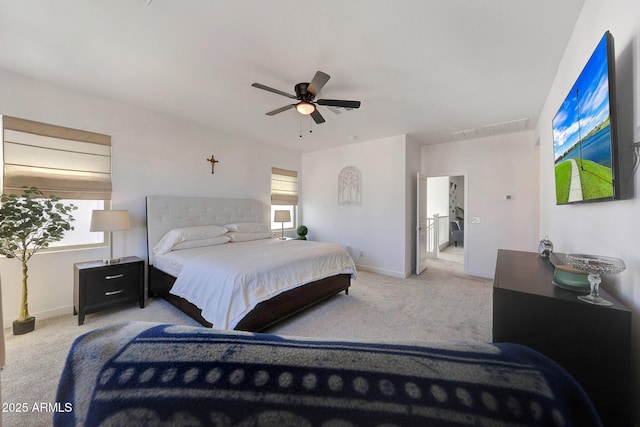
302, 231
29, 223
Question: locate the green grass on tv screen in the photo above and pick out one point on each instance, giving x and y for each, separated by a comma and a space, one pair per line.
595, 180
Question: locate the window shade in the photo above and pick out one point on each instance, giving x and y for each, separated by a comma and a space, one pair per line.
68, 163
284, 187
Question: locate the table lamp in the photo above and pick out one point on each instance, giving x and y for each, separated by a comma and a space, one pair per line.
109, 220
282, 216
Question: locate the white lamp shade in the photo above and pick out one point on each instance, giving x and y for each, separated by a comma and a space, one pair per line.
305, 108
112, 220
282, 216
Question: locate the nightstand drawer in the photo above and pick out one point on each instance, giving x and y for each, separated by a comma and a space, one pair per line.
111, 284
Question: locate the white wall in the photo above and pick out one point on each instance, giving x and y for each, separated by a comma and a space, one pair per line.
438, 196
494, 167
608, 228
152, 154
378, 227
438, 203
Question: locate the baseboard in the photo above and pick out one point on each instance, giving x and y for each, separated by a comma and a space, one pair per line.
381, 271
41, 315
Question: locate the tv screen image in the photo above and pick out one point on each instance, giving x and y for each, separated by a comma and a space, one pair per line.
585, 133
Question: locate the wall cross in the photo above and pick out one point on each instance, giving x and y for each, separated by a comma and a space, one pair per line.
213, 163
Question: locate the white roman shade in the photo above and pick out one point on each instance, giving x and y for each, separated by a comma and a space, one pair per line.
68, 163
284, 187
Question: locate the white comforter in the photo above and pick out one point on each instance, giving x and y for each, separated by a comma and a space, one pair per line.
231, 279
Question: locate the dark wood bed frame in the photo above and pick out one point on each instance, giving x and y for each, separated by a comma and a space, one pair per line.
266, 313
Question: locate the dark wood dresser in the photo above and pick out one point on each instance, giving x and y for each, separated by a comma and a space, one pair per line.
592, 343
99, 286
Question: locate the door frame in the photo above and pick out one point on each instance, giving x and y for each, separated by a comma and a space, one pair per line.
467, 231
421, 223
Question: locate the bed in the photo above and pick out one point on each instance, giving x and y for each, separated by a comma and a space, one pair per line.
140, 373
256, 298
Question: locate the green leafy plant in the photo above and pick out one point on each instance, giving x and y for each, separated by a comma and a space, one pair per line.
29, 223
302, 231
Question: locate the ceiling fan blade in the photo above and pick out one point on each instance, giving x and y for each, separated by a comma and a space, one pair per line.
338, 110
318, 82
270, 89
338, 103
280, 110
317, 117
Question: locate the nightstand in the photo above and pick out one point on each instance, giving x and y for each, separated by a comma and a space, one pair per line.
98, 286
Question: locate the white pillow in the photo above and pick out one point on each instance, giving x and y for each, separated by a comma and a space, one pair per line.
213, 241
248, 227
237, 236
178, 235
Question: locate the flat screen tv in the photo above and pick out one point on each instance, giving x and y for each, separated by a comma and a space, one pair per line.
585, 133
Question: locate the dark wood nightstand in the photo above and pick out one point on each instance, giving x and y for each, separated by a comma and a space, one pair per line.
591, 342
98, 286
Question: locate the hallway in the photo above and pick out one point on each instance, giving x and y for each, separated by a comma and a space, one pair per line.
453, 253
451, 259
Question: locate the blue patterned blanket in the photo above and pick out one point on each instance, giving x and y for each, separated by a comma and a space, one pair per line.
147, 374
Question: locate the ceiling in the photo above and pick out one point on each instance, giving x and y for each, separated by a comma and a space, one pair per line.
426, 68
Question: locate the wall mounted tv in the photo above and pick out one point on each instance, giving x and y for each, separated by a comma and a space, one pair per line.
585, 137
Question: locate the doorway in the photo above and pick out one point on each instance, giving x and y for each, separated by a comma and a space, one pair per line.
446, 205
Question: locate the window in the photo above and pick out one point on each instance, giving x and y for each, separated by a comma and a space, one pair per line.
80, 235
284, 195
74, 165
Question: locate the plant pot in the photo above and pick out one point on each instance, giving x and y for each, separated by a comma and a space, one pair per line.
21, 328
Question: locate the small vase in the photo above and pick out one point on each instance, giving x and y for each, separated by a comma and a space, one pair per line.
21, 328
545, 247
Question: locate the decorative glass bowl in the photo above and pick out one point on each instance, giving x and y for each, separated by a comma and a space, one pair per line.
596, 266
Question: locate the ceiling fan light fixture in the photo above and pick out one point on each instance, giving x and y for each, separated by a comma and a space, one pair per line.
305, 108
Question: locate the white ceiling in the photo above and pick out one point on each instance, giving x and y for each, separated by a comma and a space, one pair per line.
426, 68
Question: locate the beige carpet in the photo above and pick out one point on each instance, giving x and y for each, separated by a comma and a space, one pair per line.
440, 304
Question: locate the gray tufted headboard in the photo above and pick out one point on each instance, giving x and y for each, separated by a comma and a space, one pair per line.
165, 213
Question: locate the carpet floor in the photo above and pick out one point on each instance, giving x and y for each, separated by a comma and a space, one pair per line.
440, 304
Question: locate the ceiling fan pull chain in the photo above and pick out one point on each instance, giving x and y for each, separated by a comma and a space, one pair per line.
310, 125
300, 122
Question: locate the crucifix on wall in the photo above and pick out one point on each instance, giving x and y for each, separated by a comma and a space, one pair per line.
213, 163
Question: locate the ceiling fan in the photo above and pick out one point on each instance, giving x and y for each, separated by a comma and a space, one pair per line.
305, 94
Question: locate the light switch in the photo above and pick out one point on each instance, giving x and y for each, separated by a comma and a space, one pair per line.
475, 220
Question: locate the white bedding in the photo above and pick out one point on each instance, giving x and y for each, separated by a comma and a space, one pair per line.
173, 262
227, 281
